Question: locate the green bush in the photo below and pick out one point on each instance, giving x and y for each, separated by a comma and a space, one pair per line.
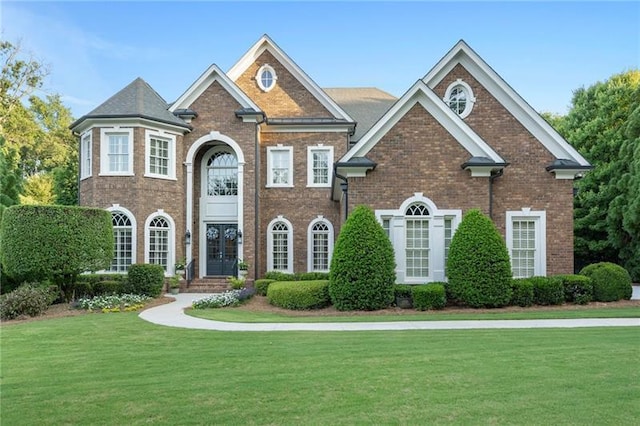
363, 264
577, 289
145, 279
279, 276
429, 296
27, 300
611, 282
521, 292
82, 289
402, 290
303, 276
547, 290
299, 294
479, 269
262, 285
108, 287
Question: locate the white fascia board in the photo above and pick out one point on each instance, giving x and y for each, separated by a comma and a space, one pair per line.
91, 123
211, 75
265, 43
509, 98
420, 93
311, 128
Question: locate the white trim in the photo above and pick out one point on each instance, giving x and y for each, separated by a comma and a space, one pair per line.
270, 151
540, 219
471, 100
319, 219
171, 167
171, 254
86, 152
92, 123
310, 151
274, 77
290, 247
265, 43
462, 54
105, 132
134, 229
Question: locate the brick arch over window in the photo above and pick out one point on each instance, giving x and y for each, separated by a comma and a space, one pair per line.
124, 239
159, 232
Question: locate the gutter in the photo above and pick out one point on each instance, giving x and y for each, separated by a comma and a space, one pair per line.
494, 175
345, 189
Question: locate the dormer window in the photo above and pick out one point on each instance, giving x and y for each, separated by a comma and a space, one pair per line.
459, 97
266, 78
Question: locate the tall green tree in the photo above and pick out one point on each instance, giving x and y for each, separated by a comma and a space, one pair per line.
603, 125
10, 182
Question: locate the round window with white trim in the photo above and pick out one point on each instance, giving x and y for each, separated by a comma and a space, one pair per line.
459, 97
266, 78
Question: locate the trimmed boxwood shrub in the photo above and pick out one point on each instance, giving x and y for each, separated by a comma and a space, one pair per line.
279, 276
402, 290
547, 290
27, 300
611, 282
430, 296
363, 264
479, 269
521, 292
145, 279
577, 289
302, 276
108, 287
82, 289
299, 295
262, 285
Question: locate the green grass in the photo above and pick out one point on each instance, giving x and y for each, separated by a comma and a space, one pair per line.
241, 315
119, 369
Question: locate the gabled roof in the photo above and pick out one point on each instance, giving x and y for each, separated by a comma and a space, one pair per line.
136, 100
462, 54
211, 75
420, 93
266, 44
364, 104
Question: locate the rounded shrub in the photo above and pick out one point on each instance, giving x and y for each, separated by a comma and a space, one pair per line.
363, 265
262, 285
547, 290
479, 269
577, 288
299, 295
610, 282
145, 279
521, 292
430, 296
107, 287
27, 300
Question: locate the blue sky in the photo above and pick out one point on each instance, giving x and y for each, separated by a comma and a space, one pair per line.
544, 50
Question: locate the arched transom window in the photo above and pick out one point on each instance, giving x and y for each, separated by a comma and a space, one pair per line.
280, 247
222, 174
159, 241
417, 241
122, 242
321, 245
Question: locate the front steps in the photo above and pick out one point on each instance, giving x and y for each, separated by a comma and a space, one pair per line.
206, 285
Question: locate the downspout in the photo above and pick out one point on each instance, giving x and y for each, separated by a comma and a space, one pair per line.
345, 188
494, 176
256, 200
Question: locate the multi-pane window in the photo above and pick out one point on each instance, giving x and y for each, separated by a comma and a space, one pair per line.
386, 226
319, 160
320, 246
448, 235
122, 242
523, 251
417, 241
85, 155
159, 156
222, 174
118, 152
458, 99
266, 78
159, 242
280, 247
280, 166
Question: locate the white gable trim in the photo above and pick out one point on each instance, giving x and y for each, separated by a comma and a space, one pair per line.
462, 54
420, 93
265, 43
211, 75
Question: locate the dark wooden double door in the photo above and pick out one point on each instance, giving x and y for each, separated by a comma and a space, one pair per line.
222, 249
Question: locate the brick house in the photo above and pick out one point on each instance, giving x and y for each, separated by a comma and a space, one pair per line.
261, 164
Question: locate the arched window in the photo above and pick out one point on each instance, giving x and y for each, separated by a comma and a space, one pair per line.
222, 174
160, 236
123, 248
280, 245
417, 241
320, 247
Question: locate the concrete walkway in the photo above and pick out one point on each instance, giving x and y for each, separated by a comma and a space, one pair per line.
172, 315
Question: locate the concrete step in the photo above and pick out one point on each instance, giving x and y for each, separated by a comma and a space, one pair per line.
206, 285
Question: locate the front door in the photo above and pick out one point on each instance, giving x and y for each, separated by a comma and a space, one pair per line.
222, 249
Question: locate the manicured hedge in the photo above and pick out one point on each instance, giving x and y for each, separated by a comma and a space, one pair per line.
479, 268
611, 282
102, 284
262, 285
299, 295
145, 279
547, 290
430, 296
402, 290
522, 292
301, 276
577, 289
363, 264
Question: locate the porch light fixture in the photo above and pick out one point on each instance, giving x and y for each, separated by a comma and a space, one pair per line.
187, 237
239, 236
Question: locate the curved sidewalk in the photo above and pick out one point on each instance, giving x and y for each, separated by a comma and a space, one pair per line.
172, 315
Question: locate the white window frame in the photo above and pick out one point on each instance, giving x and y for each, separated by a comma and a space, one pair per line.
471, 100
270, 259
540, 220
310, 244
270, 163
116, 208
85, 155
274, 77
171, 160
104, 151
171, 249
310, 176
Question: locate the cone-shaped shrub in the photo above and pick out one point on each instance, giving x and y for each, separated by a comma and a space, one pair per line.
478, 268
363, 265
